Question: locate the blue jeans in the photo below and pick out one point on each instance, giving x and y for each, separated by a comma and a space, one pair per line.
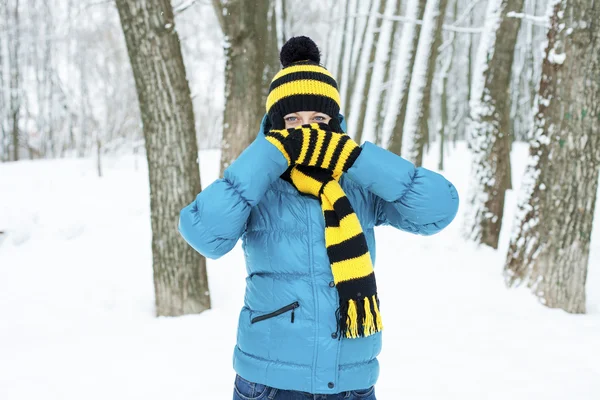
245, 390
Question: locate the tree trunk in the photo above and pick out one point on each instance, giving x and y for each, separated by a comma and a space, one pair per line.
345, 23
245, 27
180, 280
386, 89
4, 156
355, 60
551, 247
367, 72
15, 81
444, 127
375, 95
416, 126
344, 80
271, 57
490, 123
394, 125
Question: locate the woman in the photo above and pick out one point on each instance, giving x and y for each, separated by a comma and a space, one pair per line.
304, 198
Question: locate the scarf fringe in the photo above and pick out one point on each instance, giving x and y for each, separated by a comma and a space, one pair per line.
359, 318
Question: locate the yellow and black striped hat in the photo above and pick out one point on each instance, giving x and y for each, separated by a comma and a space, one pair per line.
302, 84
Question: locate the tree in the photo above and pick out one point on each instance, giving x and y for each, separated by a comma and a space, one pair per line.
360, 63
490, 123
374, 101
368, 67
180, 279
393, 126
249, 67
550, 248
4, 156
444, 125
15, 79
416, 126
386, 90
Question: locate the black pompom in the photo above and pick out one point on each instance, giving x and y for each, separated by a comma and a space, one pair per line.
299, 48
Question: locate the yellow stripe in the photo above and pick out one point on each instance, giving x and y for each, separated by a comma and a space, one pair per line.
349, 227
330, 149
302, 86
279, 146
300, 68
377, 316
346, 150
352, 320
352, 269
369, 323
333, 191
305, 142
305, 183
320, 140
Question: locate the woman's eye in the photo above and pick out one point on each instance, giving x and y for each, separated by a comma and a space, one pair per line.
291, 119
319, 118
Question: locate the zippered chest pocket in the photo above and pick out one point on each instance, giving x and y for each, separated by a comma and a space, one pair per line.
289, 307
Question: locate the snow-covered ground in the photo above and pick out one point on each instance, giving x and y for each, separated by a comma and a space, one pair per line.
76, 303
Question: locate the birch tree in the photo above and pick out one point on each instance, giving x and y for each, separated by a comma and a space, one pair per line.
15, 78
345, 78
4, 156
416, 126
180, 280
448, 59
393, 125
490, 123
365, 71
375, 95
248, 67
549, 250
384, 98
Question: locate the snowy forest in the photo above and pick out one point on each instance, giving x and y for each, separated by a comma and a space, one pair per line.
115, 114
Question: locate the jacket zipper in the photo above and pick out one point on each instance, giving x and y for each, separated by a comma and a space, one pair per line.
282, 310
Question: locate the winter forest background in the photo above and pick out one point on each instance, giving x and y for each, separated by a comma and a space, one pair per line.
108, 107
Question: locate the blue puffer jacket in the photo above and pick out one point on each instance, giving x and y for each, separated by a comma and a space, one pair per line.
285, 329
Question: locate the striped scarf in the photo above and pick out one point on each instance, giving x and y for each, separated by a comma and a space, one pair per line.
358, 313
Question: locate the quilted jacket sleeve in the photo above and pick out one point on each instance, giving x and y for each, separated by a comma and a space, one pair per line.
413, 199
216, 219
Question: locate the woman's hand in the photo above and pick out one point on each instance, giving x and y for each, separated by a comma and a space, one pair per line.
315, 145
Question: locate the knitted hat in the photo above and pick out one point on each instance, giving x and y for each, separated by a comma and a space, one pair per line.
302, 84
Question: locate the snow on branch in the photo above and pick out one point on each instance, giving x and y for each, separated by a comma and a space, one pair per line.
185, 4
542, 21
399, 18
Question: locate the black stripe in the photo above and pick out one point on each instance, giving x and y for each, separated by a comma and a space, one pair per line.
312, 144
302, 102
328, 136
342, 207
338, 152
351, 158
366, 286
294, 76
351, 248
276, 135
331, 219
319, 174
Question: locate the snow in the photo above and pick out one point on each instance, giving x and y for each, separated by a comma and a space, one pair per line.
76, 300
555, 58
